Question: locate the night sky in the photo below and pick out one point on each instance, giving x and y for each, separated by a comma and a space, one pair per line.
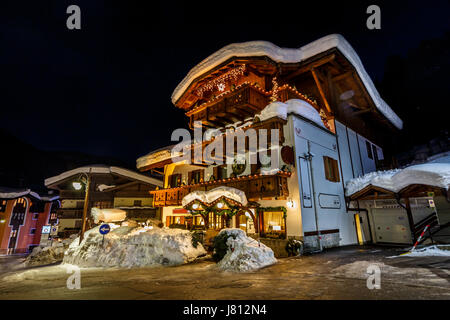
105, 89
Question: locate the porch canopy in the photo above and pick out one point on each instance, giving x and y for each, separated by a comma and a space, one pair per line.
413, 181
223, 201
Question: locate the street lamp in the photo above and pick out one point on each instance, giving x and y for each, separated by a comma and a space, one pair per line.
85, 178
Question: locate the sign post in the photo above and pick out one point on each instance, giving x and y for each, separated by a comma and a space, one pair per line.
104, 229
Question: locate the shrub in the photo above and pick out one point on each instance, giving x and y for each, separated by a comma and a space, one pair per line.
294, 247
197, 237
220, 245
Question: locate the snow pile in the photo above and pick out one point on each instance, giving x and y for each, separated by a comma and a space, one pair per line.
47, 255
432, 174
102, 187
108, 215
431, 251
214, 194
295, 106
128, 247
244, 253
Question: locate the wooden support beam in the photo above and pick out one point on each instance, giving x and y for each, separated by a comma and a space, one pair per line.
410, 219
313, 65
322, 94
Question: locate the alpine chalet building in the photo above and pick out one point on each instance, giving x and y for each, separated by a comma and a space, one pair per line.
333, 126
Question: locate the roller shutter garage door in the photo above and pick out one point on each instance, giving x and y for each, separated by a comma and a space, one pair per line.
391, 226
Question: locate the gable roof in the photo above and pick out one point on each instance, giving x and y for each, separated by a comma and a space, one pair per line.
14, 193
104, 169
288, 55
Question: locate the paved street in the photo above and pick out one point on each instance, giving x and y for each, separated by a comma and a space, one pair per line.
336, 274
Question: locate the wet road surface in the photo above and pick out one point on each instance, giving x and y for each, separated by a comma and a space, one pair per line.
335, 274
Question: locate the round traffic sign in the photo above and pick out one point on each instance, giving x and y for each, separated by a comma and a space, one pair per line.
104, 229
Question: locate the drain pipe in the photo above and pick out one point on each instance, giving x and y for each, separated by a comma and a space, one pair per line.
309, 156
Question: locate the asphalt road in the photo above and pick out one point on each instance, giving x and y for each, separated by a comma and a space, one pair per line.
336, 274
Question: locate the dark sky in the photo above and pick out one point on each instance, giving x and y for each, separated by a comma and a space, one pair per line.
105, 89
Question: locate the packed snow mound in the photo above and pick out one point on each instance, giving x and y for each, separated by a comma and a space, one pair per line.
432, 174
295, 106
431, 251
43, 255
214, 194
244, 253
128, 247
108, 215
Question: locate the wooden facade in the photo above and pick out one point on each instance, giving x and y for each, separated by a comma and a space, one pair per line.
254, 186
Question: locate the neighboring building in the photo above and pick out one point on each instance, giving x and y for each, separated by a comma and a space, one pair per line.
110, 187
23, 213
400, 203
333, 126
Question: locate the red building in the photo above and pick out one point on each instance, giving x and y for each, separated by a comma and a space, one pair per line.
23, 213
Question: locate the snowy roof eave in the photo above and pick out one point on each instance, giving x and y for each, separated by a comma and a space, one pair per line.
288, 55
103, 169
429, 174
18, 193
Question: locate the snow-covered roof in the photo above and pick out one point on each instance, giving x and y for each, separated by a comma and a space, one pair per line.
287, 55
292, 106
214, 194
155, 156
104, 169
13, 193
431, 174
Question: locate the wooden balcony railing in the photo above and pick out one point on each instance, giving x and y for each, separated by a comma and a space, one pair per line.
254, 186
236, 105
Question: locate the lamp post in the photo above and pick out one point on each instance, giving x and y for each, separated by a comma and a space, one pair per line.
78, 185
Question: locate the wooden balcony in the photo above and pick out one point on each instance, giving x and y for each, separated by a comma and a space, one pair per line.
254, 186
236, 105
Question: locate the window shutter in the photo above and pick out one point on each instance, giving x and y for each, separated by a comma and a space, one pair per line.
189, 177
216, 172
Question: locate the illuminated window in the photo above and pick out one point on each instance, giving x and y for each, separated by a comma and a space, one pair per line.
2, 205
331, 169
273, 224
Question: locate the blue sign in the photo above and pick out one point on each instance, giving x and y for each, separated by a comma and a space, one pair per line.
104, 229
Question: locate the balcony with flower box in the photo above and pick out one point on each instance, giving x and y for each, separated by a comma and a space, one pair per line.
255, 186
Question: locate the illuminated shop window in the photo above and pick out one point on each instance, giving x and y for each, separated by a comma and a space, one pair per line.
273, 224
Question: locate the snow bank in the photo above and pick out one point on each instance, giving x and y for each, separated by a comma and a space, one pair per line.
431, 251
432, 174
128, 247
214, 194
47, 255
295, 106
108, 215
244, 253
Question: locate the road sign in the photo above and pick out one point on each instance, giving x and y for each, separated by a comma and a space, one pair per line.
104, 229
46, 229
54, 231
